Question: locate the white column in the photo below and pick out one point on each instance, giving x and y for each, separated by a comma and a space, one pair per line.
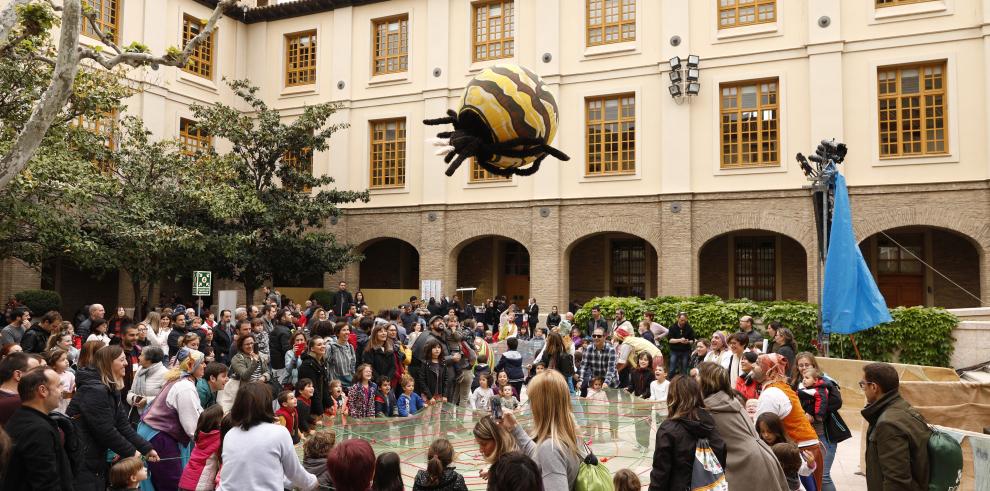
435, 103
675, 125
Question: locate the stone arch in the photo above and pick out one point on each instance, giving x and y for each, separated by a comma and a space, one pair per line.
409, 267
803, 232
571, 236
484, 267
975, 231
576, 239
462, 236
795, 263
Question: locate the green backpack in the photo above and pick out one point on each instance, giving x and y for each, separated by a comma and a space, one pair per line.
593, 476
945, 459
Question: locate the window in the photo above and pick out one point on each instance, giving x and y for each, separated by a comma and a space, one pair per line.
493, 30
912, 107
891, 259
300, 58
479, 174
755, 268
391, 45
611, 134
892, 3
388, 153
516, 259
302, 162
628, 268
750, 122
102, 127
611, 21
201, 60
193, 138
107, 18
735, 13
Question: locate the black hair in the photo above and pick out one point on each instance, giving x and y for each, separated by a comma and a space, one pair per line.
882, 374
14, 362
30, 382
252, 406
512, 343
388, 474
214, 369
514, 471
209, 420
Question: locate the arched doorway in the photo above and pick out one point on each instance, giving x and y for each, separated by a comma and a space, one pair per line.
753, 264
495, 265
389, 273
897, 256
79, 287
611, 264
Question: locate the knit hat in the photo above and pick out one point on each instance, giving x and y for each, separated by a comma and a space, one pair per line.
621, 332
433, 319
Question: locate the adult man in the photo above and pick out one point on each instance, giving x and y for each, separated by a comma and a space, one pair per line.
35, 340
533, 314
737, 346
178, 331
620, 321
96, 311
213, 381
128, 342
271, 297
630, 347
280, 342
897, 438
681, 340
12, 368
342, 299
243, 329
19, 319
599, 361
754, 336
597, 320
408, 317
38, 459
223, 334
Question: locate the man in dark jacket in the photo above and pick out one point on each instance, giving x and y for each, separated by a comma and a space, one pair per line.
279, 343
35, 340
342, 299
38, 460
223, 335
897, 438
178, 331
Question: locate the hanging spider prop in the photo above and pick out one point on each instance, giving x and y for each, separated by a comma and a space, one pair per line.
506, 122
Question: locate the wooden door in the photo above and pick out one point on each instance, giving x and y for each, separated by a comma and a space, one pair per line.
900, 276
902, 290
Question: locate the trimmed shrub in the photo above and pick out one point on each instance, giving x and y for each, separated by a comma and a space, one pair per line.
40, 301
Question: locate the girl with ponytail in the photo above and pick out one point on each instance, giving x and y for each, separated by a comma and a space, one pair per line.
439, 474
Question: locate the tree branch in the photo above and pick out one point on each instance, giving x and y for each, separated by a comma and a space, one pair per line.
95, 26
8, 19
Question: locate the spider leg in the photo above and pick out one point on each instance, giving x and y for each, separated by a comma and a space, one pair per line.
438, 121
494, 169
556, 153
528, 171
445, 134
455, 164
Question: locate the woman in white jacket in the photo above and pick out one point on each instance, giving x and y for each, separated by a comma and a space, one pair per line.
159, 327
148, 381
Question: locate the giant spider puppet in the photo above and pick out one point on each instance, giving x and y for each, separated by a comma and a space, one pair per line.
506, 122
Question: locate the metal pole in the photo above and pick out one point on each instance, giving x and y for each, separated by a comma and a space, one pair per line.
824, 257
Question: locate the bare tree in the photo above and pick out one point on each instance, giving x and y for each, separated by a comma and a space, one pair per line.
69, 56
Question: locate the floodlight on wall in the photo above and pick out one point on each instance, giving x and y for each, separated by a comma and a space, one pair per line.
684, 77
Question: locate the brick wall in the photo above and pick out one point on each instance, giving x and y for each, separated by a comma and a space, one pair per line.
714, 276
955, 257
16, 276
587, 269
474, 268
794, 270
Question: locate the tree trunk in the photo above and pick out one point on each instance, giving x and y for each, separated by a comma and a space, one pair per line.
249, 294
136, 288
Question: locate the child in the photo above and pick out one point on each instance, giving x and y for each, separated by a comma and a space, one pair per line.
481, 398
304, 393
511, 364
626, 480
127, 474
388, 473
813, 394
639, 379
596, 392
509, 401
200, 473
287, 415
771, 430
597, 403
434, 376
58, 359
659, 386
315, 452
385, 402
338, 401
792, 462
439, 474
409, 402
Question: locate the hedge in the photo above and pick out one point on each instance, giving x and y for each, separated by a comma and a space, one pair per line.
324, 297
917, 335
40, 301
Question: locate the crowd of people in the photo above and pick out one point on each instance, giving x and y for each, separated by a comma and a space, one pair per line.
192, 400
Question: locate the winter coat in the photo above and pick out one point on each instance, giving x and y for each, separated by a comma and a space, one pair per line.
221, 345
340, 362
674, 455
435, 379
279, 343
896, 445
639, 382
361, 400
37, 459
317, 466
749, 460
242, 367
385, 405
35, 340
317, 372
102, 424
450, 481
382, 363
200, 473
511, 362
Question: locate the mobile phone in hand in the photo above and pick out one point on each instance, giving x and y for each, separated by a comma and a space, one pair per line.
496, 409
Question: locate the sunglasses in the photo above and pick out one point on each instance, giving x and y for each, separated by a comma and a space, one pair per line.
597, 336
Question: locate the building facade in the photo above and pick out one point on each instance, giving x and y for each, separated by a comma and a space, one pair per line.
662, 195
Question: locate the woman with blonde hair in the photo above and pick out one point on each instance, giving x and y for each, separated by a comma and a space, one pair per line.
158, 330
493, 441
554, 445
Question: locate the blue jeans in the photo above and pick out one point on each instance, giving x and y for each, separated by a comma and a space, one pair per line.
679, 363
830, 448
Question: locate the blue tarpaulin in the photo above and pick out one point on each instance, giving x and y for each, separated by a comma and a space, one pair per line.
851, 301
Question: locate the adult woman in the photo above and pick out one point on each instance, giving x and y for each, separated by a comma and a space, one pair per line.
170, 421
313, 366
413, 334
148, 381
258, 454
341, 360
293, 358
507, 324
493, 441
118, 320
556, 357
779, 398
836, 429
556, 448
359, 300
142, 339
159, 327
719, 352
748, 458
352, 465
784, 345
700, 352
101, 420
246, 366
379, 353
319, 315
678, 435
189, 340
400, 354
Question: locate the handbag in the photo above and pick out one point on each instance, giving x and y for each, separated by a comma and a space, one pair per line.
706, 472
593, 476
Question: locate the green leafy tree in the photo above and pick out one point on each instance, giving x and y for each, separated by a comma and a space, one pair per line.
281, 229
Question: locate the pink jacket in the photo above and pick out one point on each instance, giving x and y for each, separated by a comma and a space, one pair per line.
201, 472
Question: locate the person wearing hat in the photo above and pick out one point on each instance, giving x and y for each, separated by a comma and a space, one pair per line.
630, 347
170, 421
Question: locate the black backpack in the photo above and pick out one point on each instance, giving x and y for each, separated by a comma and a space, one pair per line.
74, 447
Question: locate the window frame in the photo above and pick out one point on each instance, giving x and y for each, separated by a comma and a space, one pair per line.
601, 144
777, 276
287, 72
105, 127
479, 175
620, 24
632, 245
293, 159
897, 3
87, 29
501, 41
400, 148
756, 13
403, 20
760, 108
192, 143
898, 110
196, 55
